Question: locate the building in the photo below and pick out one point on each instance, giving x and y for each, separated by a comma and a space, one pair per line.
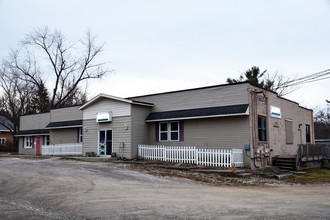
59, 126
6, 134
222, 116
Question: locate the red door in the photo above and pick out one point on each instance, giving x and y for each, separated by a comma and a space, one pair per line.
38, 146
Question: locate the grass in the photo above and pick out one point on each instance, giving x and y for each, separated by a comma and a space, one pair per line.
319, 175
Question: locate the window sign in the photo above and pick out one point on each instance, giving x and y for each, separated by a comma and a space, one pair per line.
275, 112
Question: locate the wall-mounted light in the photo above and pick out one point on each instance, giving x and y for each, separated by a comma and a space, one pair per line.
85, 129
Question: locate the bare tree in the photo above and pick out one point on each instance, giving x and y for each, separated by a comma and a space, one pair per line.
46, 61
15, 97
61, 65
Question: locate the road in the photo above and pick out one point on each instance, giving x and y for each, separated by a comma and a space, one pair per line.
63, 189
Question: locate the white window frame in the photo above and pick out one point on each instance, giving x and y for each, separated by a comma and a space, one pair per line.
46, 140
29, 140
3, 141
80, 136
169, 131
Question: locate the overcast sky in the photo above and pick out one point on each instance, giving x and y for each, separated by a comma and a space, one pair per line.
165, 45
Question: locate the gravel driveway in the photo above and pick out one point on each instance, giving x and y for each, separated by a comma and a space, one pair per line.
57, 189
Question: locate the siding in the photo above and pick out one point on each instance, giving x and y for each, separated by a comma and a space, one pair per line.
104, 105
120, 135
66, 114
140, 131
26, 151
63, 136
36, 121
229, 132
199, 98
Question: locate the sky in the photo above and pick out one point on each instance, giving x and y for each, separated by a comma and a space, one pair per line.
165, 45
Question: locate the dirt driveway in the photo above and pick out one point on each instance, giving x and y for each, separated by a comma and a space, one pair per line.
57, 189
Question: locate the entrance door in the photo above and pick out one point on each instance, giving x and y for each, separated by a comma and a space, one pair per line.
38, 146
105, 142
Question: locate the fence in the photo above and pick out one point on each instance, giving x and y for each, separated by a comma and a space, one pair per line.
193, 155
62, 149
310, 152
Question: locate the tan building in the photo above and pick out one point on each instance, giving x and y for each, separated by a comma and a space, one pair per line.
59, 126
237, 116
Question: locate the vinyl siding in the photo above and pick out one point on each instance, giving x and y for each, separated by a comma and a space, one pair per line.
117, 108
140, 129
66, 114
229, 132
26, 151
63, 136
120, 134
36, 121
199, 98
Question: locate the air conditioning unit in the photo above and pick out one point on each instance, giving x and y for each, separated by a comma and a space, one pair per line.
104, 117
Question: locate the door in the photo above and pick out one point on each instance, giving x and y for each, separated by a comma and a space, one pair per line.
105, 142
38, 146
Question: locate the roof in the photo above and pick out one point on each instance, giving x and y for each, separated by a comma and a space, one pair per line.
32, 132
192, 89
5, 123
64, 124
211, 112
101, 95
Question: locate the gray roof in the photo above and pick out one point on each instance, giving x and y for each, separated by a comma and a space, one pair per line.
5, 121
32, 132
219, 111
64, 124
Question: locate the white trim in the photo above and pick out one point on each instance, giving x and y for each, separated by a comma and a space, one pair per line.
31, 141
4, 140
102, 95
169, 131
197, 117
98, 141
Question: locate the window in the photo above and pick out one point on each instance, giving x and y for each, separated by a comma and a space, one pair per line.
28, 142
262, 128
80, 135
169, 131
46, 140
2, 141
308, 133
288, 132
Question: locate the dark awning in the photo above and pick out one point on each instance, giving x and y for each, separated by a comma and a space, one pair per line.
64, 124
32, 132
220, 111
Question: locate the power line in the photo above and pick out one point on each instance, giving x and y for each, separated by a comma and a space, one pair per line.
308, 79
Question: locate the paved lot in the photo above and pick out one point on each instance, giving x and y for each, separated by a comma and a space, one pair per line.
57, 189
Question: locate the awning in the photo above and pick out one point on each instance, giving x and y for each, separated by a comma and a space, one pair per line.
211, 112
64, 124
36, 132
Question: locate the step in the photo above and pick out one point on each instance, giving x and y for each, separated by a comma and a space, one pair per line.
285, 164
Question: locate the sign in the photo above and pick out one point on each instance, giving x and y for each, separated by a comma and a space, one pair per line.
104, 117
275, 112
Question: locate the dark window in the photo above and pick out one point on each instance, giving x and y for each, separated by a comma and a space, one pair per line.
262, 128
289, 132
169, 131
308, 133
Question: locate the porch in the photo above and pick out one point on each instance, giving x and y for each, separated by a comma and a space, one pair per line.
307, 155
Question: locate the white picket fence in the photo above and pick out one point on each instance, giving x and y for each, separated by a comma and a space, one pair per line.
62, 149
193, 155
